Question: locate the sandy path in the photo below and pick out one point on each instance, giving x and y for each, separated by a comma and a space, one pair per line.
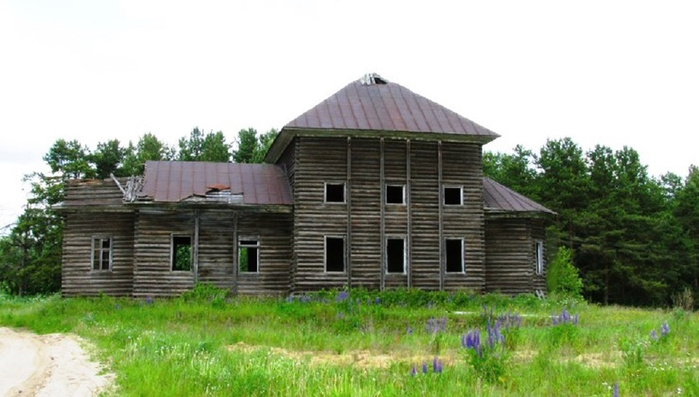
47, 365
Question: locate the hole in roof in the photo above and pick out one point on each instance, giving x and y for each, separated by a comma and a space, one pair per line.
372, 78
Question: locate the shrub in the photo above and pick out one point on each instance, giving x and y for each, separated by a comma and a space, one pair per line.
562, 278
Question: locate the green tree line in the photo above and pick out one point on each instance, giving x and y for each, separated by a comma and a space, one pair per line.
30, 254
634, 237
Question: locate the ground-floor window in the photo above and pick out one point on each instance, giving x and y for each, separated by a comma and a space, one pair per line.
539, 256
102, 253
334, 254
395, 255
181, 253
454, 248
249, 255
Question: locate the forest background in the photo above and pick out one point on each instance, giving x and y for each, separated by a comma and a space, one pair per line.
634, 237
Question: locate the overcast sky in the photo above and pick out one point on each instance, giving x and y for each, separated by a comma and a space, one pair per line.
602, 72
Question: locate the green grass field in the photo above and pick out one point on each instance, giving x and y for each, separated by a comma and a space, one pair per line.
371, 344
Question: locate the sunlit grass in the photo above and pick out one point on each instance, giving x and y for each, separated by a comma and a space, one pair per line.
208, 344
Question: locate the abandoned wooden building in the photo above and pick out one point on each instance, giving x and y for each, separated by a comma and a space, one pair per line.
375, 187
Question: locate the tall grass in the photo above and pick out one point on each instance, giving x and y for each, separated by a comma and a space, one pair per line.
364, 343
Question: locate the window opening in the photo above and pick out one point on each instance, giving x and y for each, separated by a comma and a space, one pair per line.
334, 254
334, 192
455, 255
539, 255
249, 256
395, 255
181, 253
101, 253
452, 195
395, 194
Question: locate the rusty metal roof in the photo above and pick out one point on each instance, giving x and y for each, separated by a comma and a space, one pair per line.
174, 181
497, 197
373, 103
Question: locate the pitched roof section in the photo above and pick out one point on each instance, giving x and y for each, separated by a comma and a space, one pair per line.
497, 197
174, 181
373, 103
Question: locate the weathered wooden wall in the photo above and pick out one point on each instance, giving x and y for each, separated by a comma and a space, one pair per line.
217, 250
78, 278
152, 268
88, 218
414, 164
319, 160
462, 166
510, 267
366, 204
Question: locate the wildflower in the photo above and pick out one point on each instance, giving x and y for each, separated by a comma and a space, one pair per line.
342, 296
408, 330
653, 335
289, 299
664, 329
616, 389
149, 300
472, 340
564, 318
436, 366
413, 371
424, 367
377, 300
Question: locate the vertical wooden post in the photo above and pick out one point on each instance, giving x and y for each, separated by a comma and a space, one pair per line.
408, 203
442, 264
348, 244
234, 287
382, 199
195, 254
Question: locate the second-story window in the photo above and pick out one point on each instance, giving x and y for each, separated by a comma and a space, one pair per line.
453, 195
395, 194
335, 192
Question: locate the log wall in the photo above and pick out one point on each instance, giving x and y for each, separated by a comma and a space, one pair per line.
77, 276
217, 251
510, 257
368, 221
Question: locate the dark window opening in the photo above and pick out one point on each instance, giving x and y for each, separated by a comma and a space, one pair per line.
395, 255
455, 256
248, 256
452, 196
394, 194
101, 253
181, 253
334, 254
334, 192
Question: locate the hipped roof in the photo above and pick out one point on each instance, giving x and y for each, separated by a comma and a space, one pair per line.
380, 107
174, 181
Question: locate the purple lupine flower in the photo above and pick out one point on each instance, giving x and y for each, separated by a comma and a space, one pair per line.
289, 299
413, 371
616, 389
575, 320
664, 329
377, 300
472, 340
437, 366
408, 330
424, 367
149, 300
341, 296
653, 335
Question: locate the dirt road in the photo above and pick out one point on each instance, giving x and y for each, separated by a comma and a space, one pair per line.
47, 365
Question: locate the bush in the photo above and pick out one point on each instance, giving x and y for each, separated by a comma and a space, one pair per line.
562, 278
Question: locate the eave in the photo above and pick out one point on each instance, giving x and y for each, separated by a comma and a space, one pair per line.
287, 135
